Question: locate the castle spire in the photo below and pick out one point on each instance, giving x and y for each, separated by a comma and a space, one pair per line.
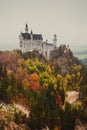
31, 32
26, 28
55, 40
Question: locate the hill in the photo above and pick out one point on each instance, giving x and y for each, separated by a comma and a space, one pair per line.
41, 86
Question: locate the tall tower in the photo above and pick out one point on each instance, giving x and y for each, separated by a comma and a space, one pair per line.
26, 28
55, 40
31, 34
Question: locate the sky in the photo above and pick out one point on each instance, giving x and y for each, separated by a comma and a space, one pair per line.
65, 18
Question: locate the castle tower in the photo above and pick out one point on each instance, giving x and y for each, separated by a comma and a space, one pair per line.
31, 34
26, 28
55, 40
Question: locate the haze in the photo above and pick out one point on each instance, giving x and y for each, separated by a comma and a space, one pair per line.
65, 18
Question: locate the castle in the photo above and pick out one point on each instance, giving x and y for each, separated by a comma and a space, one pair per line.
30, 42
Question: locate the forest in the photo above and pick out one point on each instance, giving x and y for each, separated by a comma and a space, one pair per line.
42, 86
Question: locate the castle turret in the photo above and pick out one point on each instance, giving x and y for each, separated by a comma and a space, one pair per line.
31, 35
26, 28
31, 32
55, 40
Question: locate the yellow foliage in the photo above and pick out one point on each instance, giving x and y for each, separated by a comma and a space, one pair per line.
25, 83
68, 77
45, 85
48, 69
73, 76
59, 77
77, 67
65, 83
78, 74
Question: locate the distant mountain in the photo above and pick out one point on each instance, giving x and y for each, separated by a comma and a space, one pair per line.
79, 50
84, 61
81, 54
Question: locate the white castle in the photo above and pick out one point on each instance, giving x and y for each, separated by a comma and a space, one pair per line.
30, 42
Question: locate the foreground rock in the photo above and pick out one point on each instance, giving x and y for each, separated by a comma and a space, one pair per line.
72, 96
7, 119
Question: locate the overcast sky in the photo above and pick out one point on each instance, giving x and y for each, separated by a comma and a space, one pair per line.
65, 18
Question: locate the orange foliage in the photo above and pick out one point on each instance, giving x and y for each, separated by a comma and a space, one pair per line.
34, 81
9, 73
34, 77
34, 85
